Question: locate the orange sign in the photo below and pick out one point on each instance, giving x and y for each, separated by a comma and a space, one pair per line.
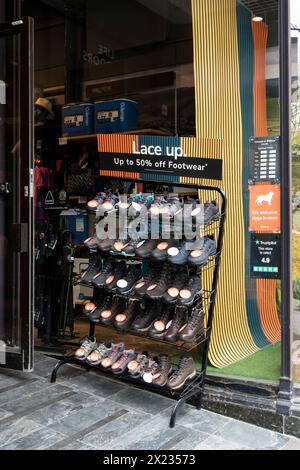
264, 208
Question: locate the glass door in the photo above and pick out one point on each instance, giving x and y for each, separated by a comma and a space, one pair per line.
16, 194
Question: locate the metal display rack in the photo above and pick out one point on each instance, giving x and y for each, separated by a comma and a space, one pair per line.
205, 302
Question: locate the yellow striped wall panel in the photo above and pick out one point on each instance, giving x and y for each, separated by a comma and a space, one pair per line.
218, 116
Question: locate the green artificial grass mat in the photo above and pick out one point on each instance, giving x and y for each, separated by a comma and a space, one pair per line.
264, 365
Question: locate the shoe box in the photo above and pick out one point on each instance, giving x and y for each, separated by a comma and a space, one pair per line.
116, 116
77, 119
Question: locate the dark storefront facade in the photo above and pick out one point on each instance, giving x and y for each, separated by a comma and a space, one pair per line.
219, 79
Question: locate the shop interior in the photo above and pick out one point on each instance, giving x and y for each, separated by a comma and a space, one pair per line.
145, 59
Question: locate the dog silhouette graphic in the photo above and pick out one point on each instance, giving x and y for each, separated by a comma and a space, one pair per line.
267, 198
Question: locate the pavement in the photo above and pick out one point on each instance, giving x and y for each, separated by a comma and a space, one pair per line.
86, 411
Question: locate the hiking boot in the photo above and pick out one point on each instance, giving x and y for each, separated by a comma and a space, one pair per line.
161, 324
153, 274
146, 317
171, 295
118, 273
159, 287
117, 306
186, 370
190, 290
163, 372
95, 315
94, 267
107, 270
133, 275
179, 321
194, 327
124, 320
200, 256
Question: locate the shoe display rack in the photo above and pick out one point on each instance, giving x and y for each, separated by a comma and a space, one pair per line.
190, 344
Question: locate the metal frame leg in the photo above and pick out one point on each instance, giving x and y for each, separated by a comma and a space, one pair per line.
69, 360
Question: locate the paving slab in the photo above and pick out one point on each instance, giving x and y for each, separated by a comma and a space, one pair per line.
141, 400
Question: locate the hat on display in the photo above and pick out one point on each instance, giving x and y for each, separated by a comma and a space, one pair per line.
47, 105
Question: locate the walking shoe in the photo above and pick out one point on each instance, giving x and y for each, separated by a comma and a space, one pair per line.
118, 273
130, 248
178, 254
152, 275
210, 212
179, 321
162, 323
173, 207
94, 203
86, 348
102, 274
137, 366
160, 252
133, 275
145, 248
194, 327
200, 256
106, 244
124, 320
98, 354
107, 205
117, 306
171, 295
159, 287
120, 244
120, 366
190, 290
95, 315
92, 243
94, 267
164, 369
151, 371
115, 354
157, 205
186, 370
146, 317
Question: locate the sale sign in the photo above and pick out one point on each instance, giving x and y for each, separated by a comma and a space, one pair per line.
265, 208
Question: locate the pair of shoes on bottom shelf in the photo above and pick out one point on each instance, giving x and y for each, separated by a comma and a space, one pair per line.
159, 371
108, 355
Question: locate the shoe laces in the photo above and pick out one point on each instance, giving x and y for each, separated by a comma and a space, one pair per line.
194, 318
183, 362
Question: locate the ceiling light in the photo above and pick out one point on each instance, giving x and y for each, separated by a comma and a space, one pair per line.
257, 19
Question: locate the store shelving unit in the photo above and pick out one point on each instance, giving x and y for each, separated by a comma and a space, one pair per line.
204, 303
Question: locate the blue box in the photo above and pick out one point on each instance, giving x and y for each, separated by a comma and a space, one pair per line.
116, 116
77, 119
76, 221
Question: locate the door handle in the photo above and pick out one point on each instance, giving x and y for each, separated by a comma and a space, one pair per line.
20, 237
5, 188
